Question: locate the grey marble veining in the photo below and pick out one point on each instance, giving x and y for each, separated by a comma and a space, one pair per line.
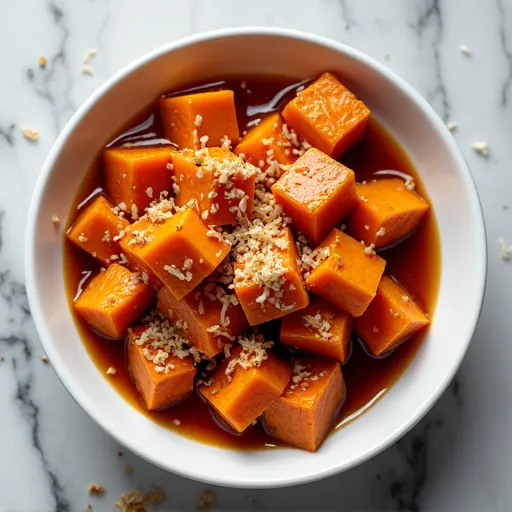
459, 458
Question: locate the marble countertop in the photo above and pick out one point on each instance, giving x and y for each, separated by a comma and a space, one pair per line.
459, 458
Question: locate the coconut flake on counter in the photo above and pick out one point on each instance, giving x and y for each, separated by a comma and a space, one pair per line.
480, 147
30, 133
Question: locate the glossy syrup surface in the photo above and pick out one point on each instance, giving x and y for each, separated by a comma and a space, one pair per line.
415, 263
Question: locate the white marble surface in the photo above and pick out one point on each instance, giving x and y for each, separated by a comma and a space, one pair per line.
459, 458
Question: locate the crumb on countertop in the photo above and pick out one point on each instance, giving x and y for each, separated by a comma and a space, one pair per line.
452, 126
505, 250
86, 70
29, 133
135, 501
96, 489
464, 49
481, 147
90, 55
206, 500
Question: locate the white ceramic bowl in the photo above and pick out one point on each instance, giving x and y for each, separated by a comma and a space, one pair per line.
402, 111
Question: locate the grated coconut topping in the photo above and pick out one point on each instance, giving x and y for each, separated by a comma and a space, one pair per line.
319, 325
161, 340
254, 352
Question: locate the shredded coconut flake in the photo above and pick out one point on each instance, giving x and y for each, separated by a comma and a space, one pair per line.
171, 269
481, 147
410, 184
505, 250
86, 70
369, 250
90, 55
161, 340
254, 352
464, 49
300, 377
30, 133
452, 126
320, 326
310, 258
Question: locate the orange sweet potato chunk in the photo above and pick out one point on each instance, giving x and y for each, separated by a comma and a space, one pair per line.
136, 176
316, 193
319, 329
96, 227
186, 119
177, 249
303, 415
390, 318
387, 211
261, 303
210, 316
158, 387
349, 276
266, 146
242, 396
113, 300
220, 182
328, 115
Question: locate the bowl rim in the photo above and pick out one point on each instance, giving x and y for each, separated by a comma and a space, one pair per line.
40, 322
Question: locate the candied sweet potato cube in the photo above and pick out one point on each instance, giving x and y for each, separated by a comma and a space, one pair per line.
349, 276
387, 211
319, 329
96, 228
113, 300
268, 147
392, 316
241, 396
177, 249
262, 303
160, 380
303, 415
220, 182
327, 115
316, 193
210, 316
187, 119
134, 177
